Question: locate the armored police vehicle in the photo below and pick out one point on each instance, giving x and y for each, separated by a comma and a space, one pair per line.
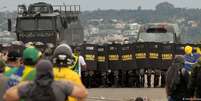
156, 45
159, 32
42, 22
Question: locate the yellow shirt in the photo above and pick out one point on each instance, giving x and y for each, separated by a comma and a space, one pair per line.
7, 68
65, 73
26, 71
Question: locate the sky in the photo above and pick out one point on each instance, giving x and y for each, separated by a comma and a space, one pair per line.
104, 4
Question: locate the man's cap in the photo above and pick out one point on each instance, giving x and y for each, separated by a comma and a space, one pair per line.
44, 73
44, 66
31, 53
63, 49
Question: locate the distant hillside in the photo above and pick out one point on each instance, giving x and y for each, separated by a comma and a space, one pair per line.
188, 19
144, 16
184, 17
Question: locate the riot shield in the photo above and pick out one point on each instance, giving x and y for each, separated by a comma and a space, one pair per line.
114, 56
127, 57
90, 56
102, 58
166, 55
141, 55
153, 50
179, 49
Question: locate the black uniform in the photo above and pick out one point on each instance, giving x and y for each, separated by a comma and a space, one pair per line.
176, 84
195, 84
156, 78
149, 72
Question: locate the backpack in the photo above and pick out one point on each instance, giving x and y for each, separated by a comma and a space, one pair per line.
39, 93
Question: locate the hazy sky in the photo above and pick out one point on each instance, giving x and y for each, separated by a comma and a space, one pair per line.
105, 4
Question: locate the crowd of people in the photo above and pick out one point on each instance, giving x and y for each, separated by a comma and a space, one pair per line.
33, 74
30, 75
183, 77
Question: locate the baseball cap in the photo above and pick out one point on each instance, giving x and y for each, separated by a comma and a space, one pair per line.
31, 53
44, 66
44, 72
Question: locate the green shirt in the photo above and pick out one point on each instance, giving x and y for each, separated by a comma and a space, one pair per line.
10, 72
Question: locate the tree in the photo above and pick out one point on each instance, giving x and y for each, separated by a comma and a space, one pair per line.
164, 6
139, 8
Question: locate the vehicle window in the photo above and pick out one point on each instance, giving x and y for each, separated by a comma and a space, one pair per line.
156, 37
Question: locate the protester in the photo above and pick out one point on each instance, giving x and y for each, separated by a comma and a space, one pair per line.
44, 87
195, 84
67, 71
81, 62
31, 55
139, 99
3, 80
15, 71
176, 84
190, 58
64, 61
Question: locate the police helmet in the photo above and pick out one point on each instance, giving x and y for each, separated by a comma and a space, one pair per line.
50, 45
29, 44
188, 49
17, 43
39, 43
198, 51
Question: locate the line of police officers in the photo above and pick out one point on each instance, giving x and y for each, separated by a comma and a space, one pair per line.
129, 65
125, 65
105, 70
133, 78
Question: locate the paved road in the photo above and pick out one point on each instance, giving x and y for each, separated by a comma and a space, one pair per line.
123, 94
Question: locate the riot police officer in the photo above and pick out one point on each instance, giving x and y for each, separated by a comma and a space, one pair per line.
141, 77
156, 78
149, 73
